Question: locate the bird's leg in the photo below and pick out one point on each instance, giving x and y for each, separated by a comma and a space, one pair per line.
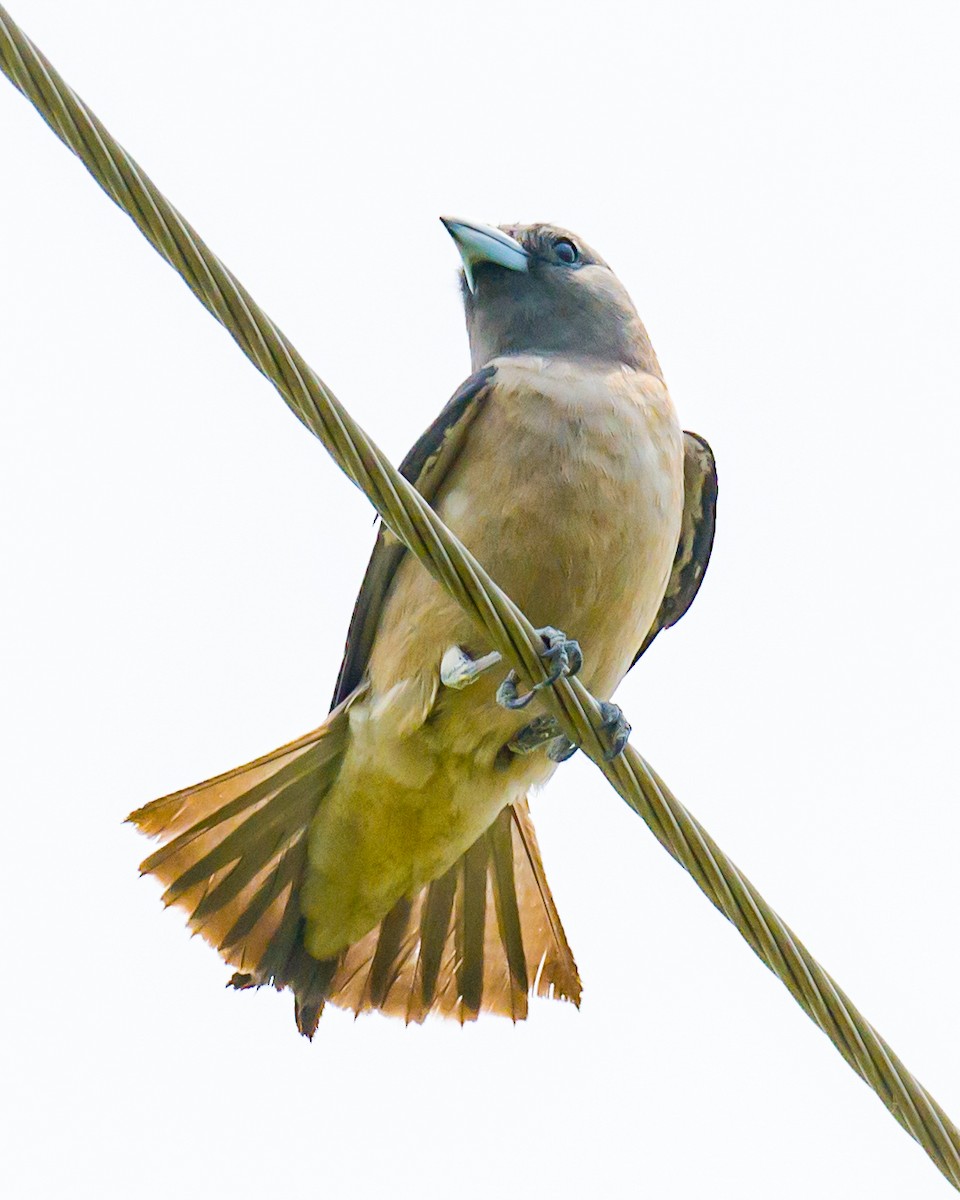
565, 658
459, 670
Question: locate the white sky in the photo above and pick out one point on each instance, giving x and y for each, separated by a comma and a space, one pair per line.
778, 187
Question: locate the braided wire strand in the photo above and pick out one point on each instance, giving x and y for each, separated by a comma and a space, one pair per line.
425, 535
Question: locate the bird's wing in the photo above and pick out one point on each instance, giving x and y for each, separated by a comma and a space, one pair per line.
696, 535
425, 467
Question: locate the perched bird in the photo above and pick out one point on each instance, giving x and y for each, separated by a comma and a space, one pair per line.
387, 860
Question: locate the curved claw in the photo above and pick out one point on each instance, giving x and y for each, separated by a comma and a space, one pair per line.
565, 658
509, 697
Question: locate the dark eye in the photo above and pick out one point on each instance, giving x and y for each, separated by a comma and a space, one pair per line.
566, 251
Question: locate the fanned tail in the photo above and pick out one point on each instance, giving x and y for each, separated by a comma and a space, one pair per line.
478, 939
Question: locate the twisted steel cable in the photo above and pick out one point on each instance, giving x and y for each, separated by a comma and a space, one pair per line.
425, 535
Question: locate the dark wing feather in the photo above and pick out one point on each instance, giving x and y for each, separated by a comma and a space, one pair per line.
425, 467
696, 535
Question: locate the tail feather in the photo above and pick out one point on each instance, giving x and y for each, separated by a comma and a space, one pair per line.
470, 927
281, 879
555, 974
509, 920
234, 853
478, 939
392, 949
197, 808
436, 910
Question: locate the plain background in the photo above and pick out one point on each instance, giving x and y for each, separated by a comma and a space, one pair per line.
778, 187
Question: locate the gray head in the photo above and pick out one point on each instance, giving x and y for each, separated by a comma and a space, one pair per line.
539, 289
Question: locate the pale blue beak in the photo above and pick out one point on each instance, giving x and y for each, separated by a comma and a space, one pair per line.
484, 244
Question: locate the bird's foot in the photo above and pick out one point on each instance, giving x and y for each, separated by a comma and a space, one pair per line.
541, 730
615, 729
459, 670
562, 653
564, 657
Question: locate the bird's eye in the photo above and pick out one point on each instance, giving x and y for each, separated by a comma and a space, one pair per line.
566, 251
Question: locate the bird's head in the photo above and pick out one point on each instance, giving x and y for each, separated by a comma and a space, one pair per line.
539, 289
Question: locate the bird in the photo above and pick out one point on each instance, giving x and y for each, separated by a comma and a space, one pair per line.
387, 860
